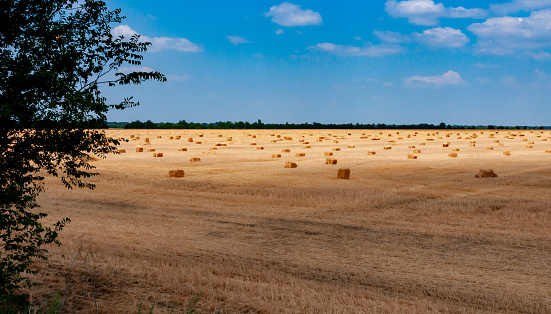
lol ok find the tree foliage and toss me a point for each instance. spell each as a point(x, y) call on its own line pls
point(55, 57)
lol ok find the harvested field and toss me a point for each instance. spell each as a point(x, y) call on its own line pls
point(247, 235)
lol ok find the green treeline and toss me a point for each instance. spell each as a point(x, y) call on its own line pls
point(260, 125)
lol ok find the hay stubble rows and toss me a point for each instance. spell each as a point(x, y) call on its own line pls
point(402, 234)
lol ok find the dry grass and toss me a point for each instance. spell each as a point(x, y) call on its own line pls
point(248, 235)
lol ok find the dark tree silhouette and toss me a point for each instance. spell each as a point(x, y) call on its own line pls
point(54, 57)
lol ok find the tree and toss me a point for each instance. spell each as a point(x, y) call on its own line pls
point(55, 56)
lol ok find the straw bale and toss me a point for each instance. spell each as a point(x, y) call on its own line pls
point(411, 146)
point(446, 144)
point(158, 136)
point(544, 140)
point(172, 137)
point(328, 154)
point(254, 136)
point(300, 154)
point(529, 146)
point(306, 142)
point(253, 144)
point(417, 151)
point(220, 144)
point(409, 136)
point(288, 138)
point(485, 174)
point(330, 161)
point(455, 150)
point(151, 149)
point(363, 137)
point(131, 135)
point(260, 147)
point(213, 148)
point(412, 156)
point(351, 146)
point(121, 151)
point(200, 135)
point(343, 173)
point(387, 147)
point(285, 150)
point(137, 137)
point(548, 151)
point(531, 143)
point(229, 139)
point(194, 159)
point(178, 137)
point(198, 142)
point(139, 149)
point(308, 146)
point(190, 139)
point(147, 139)
point(489, 148)
point(336, 149)
point(371, 153)
point(157, 154)
point(289, 164)
point(375, 139)
point(276, 155)
point(183, 149)
point(273, 141)
point(278, 136)
point(422, 144)
point(176, 173)
point(430, 139)
point(452, 155)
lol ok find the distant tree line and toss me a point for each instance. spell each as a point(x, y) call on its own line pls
point(183, 124)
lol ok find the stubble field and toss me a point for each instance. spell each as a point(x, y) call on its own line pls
point(241, 233)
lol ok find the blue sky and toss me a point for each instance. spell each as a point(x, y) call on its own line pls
point(415, 61)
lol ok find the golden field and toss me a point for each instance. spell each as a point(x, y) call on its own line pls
point(244, 234)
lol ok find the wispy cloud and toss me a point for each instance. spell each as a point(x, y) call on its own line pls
point(428, 13)
point(442, 37)
point(352, 51)
point(520, 5)
point(435, 37)
point(288, 14)
point(448, 78)
point(279, 31)
point(127, 70)
point(158, 43)
point(236, 40)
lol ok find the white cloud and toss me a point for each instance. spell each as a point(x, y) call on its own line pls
point(388, 84)
point(352, 51)
point(448, 78)
point(486, 66)
point(540, 56)
point(127, 70)
point(520, 5)
point(483, 80)
point(157, 43)
point(505, 35)
point(172, 77)
point(391, 37)
point(279, 31)
point(288, 14)
point(427, 13)
point(358, 38)
point(509, 80)
point(236, 40)
point(434, 37)
point(442, 37)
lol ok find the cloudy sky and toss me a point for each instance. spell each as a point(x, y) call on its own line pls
point(413, 61)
